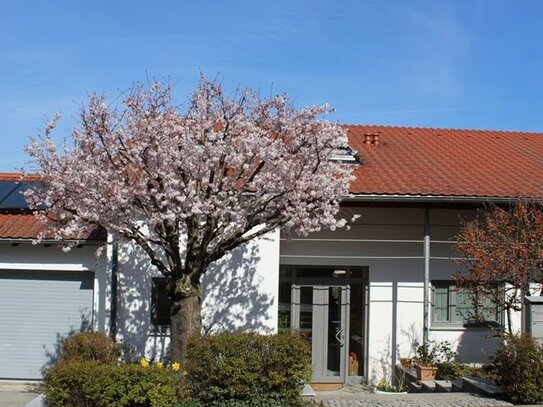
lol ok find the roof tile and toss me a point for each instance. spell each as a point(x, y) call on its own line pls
point(27, 226)
point(446, 162)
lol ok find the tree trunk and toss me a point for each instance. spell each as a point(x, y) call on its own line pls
point(185, 313)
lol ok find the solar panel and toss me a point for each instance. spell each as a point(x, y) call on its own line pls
point(11, 194)
point(5, 188)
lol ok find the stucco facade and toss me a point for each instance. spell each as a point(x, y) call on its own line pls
point(242, 290)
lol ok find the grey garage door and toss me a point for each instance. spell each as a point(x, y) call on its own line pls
point(37, 308)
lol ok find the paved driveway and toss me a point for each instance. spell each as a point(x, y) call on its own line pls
point(411, 400)
point(363, 396)
point(17, 394)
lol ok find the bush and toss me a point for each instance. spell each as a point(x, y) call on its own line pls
point(452, 371)
point(434, 353)
point(91, 384)
point(89, 346)
point(518, 364)
point(255, 401)
point(241, 367)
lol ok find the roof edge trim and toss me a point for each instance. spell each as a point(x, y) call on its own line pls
point(53, 241)
point(430, 198)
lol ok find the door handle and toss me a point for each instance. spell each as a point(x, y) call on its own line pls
point(338, 337)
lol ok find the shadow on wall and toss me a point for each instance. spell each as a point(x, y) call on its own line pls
point(134, 302)
point(413, 336)
point(383, 370)
point(477, 345)
point(233, 298)
point(54, 354)
point(233, 294)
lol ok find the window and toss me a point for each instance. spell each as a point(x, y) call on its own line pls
point(344, 154)
point(452, 306)
point(160, 304)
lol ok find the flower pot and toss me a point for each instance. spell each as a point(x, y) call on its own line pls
point(426, 372)
point(376, 391)
point(405, 362)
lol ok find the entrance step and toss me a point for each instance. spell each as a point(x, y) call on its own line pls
point(308, 391)
point(326, 386)
point(410, 374)
point(428, 386)
point(414, 387)
point(443, 386)
point(481, 386)
point(457, 386)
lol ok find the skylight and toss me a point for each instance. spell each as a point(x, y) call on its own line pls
point(345, 155)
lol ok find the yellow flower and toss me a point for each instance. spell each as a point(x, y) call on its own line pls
point(144, 362)
point(159, 364)
point(185, 373)
point(176, 366)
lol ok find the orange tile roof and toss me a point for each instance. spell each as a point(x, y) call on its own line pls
point(445, 162)
point(406, 161)
point(19, 226)
point(27, 226)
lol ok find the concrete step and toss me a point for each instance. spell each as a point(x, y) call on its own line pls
point(409, 374)
point(443, 386)
point(482, 386)
point(457, 386)
point(414, 387)
point(428, 386)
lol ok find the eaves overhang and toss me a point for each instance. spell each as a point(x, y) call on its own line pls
point(431, 198)
point(53, 241)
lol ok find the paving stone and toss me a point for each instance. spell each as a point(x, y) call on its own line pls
point(17, 394)
point(411, 400)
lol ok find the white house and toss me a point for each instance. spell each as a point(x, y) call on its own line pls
point(370, 293)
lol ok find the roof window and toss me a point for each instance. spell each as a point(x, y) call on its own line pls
point(344, 154)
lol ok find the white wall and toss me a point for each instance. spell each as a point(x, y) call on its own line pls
point(390, 242)
point(239, 292)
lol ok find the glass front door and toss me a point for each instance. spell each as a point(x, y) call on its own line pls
point(320, 314)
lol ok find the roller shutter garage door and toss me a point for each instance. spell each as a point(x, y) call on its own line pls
point(37, 308)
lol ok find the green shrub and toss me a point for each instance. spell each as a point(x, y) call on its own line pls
point(91, 384)
point(434, 353)
point(89, 346)
point(255, 401)
point(453, 370)
point(241, 367)
point(518, 363)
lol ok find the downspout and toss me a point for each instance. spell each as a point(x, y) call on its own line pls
point(113, 304)
point(426, 249)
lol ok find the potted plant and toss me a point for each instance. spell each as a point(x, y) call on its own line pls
point(405, 362)
point(386, 387)
point(425, 362)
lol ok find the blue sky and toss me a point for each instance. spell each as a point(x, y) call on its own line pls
point(435, 63)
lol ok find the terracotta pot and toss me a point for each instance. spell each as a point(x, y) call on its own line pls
point(405, 362)
point(426, 372)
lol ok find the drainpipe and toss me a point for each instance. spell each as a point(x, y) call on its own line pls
point(426, 276)
point(113, 304)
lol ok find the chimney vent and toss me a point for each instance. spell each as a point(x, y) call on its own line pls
point(372, 139)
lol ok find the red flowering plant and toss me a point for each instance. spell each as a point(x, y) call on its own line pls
point(502, 252)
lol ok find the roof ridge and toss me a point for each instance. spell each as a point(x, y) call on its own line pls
point(384, 126)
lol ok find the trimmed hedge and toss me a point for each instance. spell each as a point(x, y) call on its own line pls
point(518, 363)
point(90, 346)
point(92, 384)
point(235, 368)
point(256, 401)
